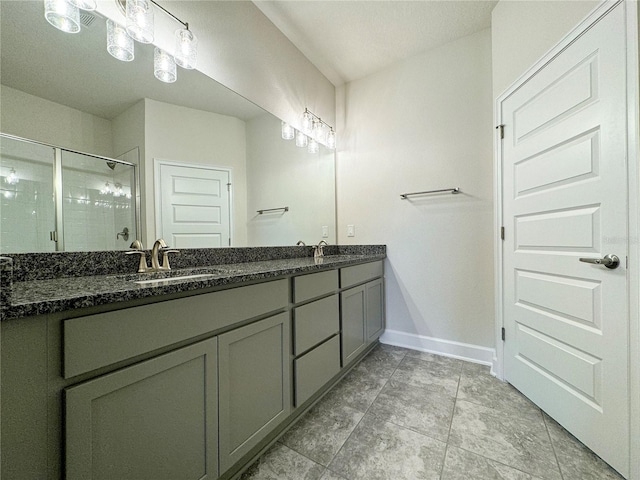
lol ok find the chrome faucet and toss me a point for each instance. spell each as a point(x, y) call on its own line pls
point(318, 251)
point(161, 246)
point(300, 242)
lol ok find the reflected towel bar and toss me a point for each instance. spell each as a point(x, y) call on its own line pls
point(284, 209)
point(451, 190)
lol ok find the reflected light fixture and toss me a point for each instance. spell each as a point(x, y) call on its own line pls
point(301, 139)
point(288, 132)
point(88, 5)
point(12, 178)
point(106, 190)
point(331, 139)
point(63, 15)
point(164, 66)
point(139, 15)
point(313, 146)
point(119, 44)
point(186, 50)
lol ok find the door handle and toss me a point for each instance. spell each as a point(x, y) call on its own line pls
point(609, 261)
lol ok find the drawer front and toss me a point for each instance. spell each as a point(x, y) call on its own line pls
point(306, 287)
point(360, 273)
point(315, 322)
point(316, 368)
point(99, 340)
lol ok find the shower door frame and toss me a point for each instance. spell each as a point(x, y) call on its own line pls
point(57, 235)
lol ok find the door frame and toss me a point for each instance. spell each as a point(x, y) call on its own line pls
point(633, 174)
point(157, 163)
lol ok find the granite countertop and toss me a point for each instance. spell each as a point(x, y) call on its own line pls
point(39, 297)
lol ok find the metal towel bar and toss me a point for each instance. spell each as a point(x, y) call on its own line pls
point(284, 209)
point(451, 190)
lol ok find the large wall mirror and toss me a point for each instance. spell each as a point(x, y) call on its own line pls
point(188, 141)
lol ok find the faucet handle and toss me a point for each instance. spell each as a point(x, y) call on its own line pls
point(165, 257)
point(142, 265)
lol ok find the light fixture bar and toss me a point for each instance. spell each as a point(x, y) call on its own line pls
point(186, 25)
point(315, 117)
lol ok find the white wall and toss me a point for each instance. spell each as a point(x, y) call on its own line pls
point(194, 136)
point(280, 174)
point(522, 32)
point(35, 118)
point(425, 123)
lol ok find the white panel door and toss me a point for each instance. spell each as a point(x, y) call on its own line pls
point(193, 206)
point(565, 198)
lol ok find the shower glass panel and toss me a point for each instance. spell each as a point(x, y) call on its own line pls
point(53, 199)
point(27, 208)
point(98, 203)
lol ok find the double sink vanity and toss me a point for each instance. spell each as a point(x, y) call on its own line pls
point(192, 373)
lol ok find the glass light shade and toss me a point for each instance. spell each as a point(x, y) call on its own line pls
point(186, 53)
point(119, 44)
point(307, 122)
point(318, 131)
point(12, 178)
point(106, 190)
point(164, 66)
point(331, 140)
point(301, 139)
point(88, 5)
point(62, 15)
point(314, 147)
point(140, 20)
point(288, 132)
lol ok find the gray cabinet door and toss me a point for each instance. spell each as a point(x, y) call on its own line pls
point(255, 396)
point(353, 308)
point(154, 420)
point(375, 309)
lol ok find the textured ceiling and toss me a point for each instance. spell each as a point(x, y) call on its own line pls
point(350, 39)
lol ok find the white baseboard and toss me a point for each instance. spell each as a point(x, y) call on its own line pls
point(439, 346)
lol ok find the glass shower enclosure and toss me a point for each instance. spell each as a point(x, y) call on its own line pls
point(56, 199)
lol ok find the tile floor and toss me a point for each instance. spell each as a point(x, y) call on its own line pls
point(402, 414)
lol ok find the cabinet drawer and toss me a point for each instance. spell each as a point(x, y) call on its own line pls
point(315, 322)
point(99, 340)
point(360, 273)
point(306, 287)
point(316, 368)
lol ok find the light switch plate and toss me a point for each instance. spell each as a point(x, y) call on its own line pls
point(351, 231)
point(325, 231)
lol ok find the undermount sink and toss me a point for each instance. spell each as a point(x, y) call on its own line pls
point(166, 280)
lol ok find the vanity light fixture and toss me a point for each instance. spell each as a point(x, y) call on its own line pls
point(331, 139)
point(314, 132)
point(63, 15)
point(288, 132)
point(313, 146)
point(88, 5)
point(12, 178)
point(164, 66)
point(186, 51)
point(301, 139)
point(106, 190)
point(139, 15)
point(119, 44)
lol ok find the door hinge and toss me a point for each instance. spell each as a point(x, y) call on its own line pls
point(228, 187)
point(500, 129)
point(229, 241)
point(503, 334)
point(502, 233)
point(53, 236)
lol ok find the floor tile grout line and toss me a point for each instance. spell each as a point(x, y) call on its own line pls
point(553, 447)
point(360, 421)
point(453, 412)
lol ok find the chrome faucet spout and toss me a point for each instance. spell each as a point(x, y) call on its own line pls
point(318, 250)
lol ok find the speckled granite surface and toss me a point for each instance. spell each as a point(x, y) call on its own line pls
point(47, 294)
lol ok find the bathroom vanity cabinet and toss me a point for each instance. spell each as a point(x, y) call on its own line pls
point(194, 386)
